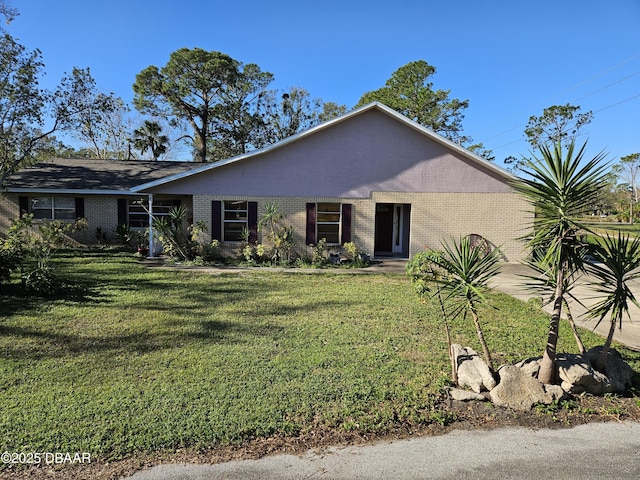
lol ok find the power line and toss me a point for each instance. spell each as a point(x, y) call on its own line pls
point(607, 86)
point(618, 103)
point(615, 67)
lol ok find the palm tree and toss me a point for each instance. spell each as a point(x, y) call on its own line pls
point(545, 284)
point(618, 260)
point(148, 137)
point(560, 188)
point(424, 275)
point(467, 271)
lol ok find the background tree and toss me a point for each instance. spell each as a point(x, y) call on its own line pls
point(102, 126)
point(560, 189)
point(558, 123)
point(628, 172)
point(211, 91)
point(410, 92)
point(331, 110)
point(236, 121)
point(29, 114)
point(286, 113)
point(149, 138)
point(8, 12)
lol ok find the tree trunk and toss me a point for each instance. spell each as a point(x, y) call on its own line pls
point(547, 372)
point(452, 358)
point(607, 343)
point(485, 349)
point(581, 348)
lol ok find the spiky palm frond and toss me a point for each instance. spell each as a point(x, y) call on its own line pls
point(618, 260)
point(561, 188)
point(544, 283)
point(467, 271)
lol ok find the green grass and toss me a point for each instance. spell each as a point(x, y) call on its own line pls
point(133, 359)
point(613, 228)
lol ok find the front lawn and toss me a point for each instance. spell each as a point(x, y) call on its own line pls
point(135, 359)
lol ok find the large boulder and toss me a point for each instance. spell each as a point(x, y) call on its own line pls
point(578, 376)
point(473, 372)
point(520, 391)
point(619, 373)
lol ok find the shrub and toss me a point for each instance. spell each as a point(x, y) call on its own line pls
point(318, 257)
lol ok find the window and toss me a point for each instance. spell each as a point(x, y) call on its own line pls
point(53, 208)
point(229, 218)
point(235, 219)
point(138, 212)
point(328, 222)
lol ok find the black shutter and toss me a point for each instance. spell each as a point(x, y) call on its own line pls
point(123, 211)
point(216, 220)
point(79, 207)
point(346, 223)
point(311, 224)
point(23, 203)
point(252, 218)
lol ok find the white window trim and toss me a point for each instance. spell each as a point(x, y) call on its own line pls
point(339, 222)
point(245, 222)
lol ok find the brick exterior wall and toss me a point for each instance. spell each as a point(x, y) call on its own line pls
point(499, 217)
point(100, 211)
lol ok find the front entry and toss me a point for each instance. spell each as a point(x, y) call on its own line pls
point(392, 229)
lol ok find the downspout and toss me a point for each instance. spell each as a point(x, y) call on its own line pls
point(151, 240)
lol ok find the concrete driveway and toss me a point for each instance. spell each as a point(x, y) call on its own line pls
point(511, 281)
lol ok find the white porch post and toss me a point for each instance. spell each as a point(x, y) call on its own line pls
point(151, 240)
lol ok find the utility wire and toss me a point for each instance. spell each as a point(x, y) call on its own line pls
point(615, 67)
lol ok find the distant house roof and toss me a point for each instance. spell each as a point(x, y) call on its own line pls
point(82, 175)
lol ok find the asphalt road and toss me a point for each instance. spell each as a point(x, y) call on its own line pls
point(594, 451)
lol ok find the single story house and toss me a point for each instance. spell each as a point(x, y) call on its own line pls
point(98, 190)
point(371, 176)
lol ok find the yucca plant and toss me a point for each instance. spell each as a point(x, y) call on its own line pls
point(617, 263)
point(466, 273)
point(560, 186)
point(544, 283)
point(424, 274)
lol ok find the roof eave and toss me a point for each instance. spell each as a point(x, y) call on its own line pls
point(67, 191)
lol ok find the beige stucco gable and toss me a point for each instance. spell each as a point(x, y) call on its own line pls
point(368, 152)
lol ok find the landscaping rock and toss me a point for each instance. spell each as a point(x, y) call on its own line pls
point(619, 373)
point(473, 372)
point(520, 391)
point(531, 366)
point(578, 375)
point(466, 395)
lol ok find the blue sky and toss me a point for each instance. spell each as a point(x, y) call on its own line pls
point(510, 59)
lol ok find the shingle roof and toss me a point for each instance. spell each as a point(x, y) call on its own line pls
point(93, 174)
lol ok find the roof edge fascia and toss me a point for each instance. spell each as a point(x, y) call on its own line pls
point(67, 191)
